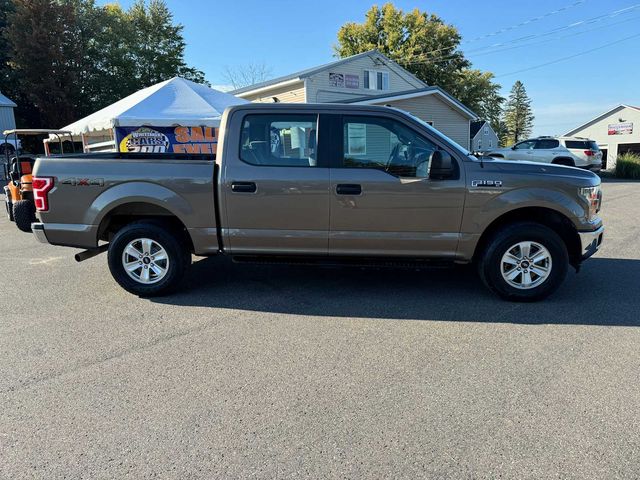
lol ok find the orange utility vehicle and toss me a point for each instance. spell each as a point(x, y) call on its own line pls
point(17, 170)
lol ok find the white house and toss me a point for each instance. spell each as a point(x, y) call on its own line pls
point(483, 137)
point(616, 131)
point(373, 79)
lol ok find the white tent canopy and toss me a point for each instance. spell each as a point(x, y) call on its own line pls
point(165, 104)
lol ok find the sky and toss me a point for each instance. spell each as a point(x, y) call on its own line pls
point(592, 65)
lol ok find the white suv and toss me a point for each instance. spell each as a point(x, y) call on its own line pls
point(570, 151)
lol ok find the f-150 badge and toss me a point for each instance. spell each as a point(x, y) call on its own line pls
point(486, 183)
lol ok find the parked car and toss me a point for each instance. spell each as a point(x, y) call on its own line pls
point(322, 183)
point(569, 151)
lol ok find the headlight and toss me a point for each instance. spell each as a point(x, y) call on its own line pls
point(593, 196)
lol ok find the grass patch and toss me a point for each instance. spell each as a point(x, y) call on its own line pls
point(628, 166)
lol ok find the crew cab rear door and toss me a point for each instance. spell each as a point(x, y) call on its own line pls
point(383, 202)
point(274, 188)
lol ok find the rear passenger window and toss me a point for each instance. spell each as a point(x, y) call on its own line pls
point(279, 140)
point(546, 144)
point(579, 144)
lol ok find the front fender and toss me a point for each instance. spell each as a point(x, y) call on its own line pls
point(487, 206)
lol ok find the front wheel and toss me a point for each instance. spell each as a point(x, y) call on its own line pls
point(524, 262)
point(148, 259)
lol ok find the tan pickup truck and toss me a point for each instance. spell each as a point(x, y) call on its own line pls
point(322, 183)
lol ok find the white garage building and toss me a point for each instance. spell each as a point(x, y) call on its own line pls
point(616, 131)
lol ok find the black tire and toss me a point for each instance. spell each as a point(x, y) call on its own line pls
point(490, 262)
point(8, 206)
point(24, 214)
point(172, 241)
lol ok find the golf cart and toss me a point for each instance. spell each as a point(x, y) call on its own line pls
point(17, 171)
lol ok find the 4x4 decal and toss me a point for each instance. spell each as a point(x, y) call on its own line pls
point(84, 182)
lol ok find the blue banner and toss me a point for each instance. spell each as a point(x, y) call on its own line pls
point(196, 140)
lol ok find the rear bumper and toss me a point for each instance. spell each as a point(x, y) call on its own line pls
point(38, 232)
point(590, 242)
point(594, 167)
point(66, 234)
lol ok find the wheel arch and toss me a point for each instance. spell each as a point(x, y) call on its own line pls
point(138, 211)
point(548, 217)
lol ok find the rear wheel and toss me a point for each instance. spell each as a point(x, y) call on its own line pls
point(24, 214)
point(148, 259)
point(524, 262)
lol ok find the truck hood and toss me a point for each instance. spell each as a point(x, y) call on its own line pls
point(577, 176)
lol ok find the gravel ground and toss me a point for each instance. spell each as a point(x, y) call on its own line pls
point(298, 372)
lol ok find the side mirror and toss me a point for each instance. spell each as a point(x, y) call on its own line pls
point(441, 165)
point(513, 148)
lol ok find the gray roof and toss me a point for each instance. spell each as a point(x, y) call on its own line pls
point(476, 127)
point(5, 102)
point(311, 71)
point(436, 89)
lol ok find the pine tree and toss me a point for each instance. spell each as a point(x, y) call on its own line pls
point(518, 117)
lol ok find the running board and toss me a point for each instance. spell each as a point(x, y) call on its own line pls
point(337, 261)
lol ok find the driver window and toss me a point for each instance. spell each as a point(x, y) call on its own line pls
point(387, 145)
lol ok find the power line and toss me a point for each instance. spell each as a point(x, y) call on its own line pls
point(446, 58)
point(569, 57)
point(510, 28)
point(526, 22)
point(423, 57)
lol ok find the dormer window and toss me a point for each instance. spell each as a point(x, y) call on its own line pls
point(376, 80)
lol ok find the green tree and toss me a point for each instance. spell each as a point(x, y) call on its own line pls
point(39, 57)
point(518, 117)
point(157, 45)
point(477, 91)
point(419, 41)
point(426, 46)
point(68, 58)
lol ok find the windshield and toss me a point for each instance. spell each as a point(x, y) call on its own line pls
point(440, 135)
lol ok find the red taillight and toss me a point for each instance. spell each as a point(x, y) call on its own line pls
point(589, 153)
point(41, 187)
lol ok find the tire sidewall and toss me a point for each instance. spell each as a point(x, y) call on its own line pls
point(506, 238)
point(179, 258)
point(24, 214)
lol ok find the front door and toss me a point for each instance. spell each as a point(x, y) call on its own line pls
point(523, 151)
point(382, 199)
point(275, 191)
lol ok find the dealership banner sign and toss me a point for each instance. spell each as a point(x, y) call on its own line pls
point(194, 140)
point(625, 128)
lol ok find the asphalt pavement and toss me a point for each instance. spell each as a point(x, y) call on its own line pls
point(308, 372)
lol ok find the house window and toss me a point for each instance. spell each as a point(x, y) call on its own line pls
point(479, 144)
point(490, 143)
point(376, 80)
point(356, 138)
point(486, 130)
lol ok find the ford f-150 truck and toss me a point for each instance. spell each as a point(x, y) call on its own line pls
point(322, 183)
